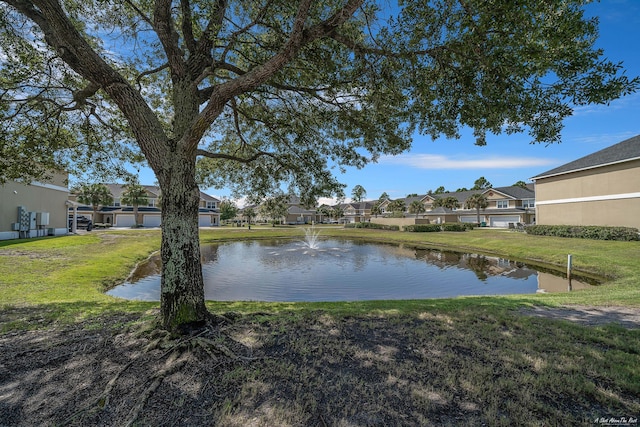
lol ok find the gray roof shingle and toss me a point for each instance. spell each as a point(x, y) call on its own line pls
point(623, 151)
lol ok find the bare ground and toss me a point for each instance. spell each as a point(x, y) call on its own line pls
point(319, 371)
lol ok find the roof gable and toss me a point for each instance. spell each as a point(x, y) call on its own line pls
point(624, 151)
point(513, 192)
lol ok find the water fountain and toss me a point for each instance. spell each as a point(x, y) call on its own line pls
point(311, 237)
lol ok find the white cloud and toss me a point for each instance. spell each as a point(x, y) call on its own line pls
point(435, 161)
point(605, 139)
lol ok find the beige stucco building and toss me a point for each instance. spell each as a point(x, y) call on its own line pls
point(602, 188)
point(44, 208)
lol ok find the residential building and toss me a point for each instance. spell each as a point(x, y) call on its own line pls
point(602, 188)
point(35, 209)
point(299, 214)
point(121, 215)
point(356, 211)
point(507, 207)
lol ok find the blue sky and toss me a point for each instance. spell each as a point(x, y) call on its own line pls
point(507, 159)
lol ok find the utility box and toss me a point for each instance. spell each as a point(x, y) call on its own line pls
point(32, 221)
point(15, 226)
point(42, 218)
point(23, 218)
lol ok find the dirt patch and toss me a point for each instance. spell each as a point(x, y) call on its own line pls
point(315, 369)
point(590, 316)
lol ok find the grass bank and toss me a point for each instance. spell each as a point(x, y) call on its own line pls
point(457, 361)
point(67, 275)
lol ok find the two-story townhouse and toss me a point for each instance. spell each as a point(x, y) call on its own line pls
point(602, 188)
point(121, 215)
point(507, 206)
point(357, 211)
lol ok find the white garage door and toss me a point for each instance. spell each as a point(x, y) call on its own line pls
point(503, 221)
point(473, 219)
point(151, 220)
point(125, 221)
point(204, 220)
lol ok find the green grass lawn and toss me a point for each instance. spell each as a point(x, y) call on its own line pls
point(66, 276)
point(438, 361)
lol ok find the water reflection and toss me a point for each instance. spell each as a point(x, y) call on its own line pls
point(337, 270)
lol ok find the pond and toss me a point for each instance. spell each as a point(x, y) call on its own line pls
point(346, 270)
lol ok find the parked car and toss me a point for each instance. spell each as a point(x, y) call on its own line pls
point(81, 222)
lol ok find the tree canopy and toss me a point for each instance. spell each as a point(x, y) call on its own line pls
point(94, 195)
point(228, 210)
point(251, 95)
point(358, 193)
point(416, 207)
point(481, 184)
point(477, 201)
point(448, 202)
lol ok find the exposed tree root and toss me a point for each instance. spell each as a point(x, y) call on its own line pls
point(210, 339)
point(172, 365)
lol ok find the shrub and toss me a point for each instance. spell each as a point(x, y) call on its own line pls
point(454, 226)
point(372, 225)
point(585, 232)
point(426, 228)
point(422, 228)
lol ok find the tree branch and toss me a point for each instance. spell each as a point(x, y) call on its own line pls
point(141, 14)
point(187, 25)
point(298, 38)
point(358, 48)
point(246, 160)
point(149, 72)
point(163, 25)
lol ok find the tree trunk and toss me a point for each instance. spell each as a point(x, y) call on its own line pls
point(182, 286)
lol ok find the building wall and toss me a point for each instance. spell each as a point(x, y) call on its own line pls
point(50, 196)
point(401, 222)
point(608, 196)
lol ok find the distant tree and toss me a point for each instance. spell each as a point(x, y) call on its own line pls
point(275, 207)
point(412, 195)
point(416, 207)
point(94, 195)
point(358, 193)
point(440, 190)
point(324, 211)
point(477, 201)
point(134, 195)
point(384, 196)
point(228, 210)
point(449, 202)
point(462, 189)
point(397, 207)
point(376, 209)
point(337, 212)
point(249, 213)
point(520, 184)
point(481, 184)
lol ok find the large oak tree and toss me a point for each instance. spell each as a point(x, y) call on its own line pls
point(251, 94)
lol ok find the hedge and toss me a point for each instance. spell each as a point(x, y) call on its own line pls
point(585, 232)
point(372, 225)
point(426, 228)
point(423, 228)
point(454, 226)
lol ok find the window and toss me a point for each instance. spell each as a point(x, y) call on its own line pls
point(211, 205)
point(152, 203)
point(529, 203)
point(502, 204)
point(116, 202)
